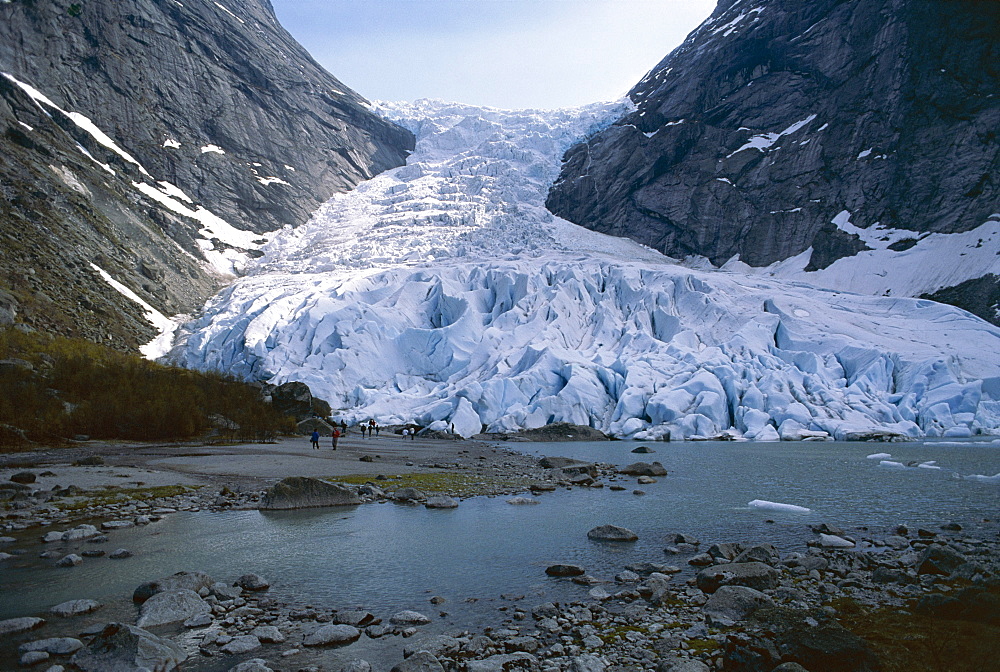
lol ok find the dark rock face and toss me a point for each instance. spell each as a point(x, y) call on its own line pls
point(168, 83)
point(774, 117)
point(299, 492)
point(296, 399)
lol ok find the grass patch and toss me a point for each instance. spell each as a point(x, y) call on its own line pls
point(909, 642)
point(619, 632)
point(117, 495)
point(702, 645)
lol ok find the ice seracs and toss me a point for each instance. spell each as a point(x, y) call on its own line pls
point(443, 292)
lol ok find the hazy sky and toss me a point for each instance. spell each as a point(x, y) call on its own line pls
point(503, 53)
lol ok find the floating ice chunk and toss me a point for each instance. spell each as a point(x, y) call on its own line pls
point(930, 464)
point(833, 541)
point(879, 456)
point(984, 479)
point(777, 506)
point(892, 465)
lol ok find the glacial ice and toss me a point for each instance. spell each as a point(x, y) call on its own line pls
point(777, 506)
point(444, 292)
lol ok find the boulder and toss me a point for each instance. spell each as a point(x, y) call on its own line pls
point(421, 661)
point(268, 634)
point(56, 646)
point(587, 663)
point(332, 635)
point(644, 469)
point(612, 533)
point(71, 560)
point(765, 553)
point(724, 552)
point(409, 618)
point(358, 618)
point(75, 608)
point(120, 554)
point(504, 662)
point(241, 644)
point(12, 626)
point(125, 647)
point(937, 559)
point(564, 570)
point(299, 492)
point(23, 477)
point(408, 495)
point(171, 606)
point(194, 581)
point(730, 604)
point(253, 582)
point(754, 575)
point(441, 502)
point(252, 665)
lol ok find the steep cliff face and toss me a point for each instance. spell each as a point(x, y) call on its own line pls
point(776, 116)
point(155, 139)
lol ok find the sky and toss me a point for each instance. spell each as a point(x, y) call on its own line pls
point(502, 53)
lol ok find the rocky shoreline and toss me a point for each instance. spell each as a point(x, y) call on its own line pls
point(698, 606)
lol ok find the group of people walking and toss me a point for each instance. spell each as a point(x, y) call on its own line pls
point(340, 429)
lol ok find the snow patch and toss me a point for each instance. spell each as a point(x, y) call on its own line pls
point(764, 141)
point(212, 149)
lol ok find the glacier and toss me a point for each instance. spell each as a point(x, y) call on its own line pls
point(444, 293)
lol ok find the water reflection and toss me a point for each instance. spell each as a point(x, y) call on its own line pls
point(386, 557)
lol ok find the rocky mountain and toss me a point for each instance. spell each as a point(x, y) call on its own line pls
point(150, 143)
point(851, 145)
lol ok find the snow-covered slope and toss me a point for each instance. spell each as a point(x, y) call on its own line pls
point(444, 292)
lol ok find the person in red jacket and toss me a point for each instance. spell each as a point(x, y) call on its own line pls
point(336, 437)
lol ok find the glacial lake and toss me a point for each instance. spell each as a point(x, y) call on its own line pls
point(487, 554)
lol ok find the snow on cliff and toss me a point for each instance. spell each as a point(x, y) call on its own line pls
point(443, 293)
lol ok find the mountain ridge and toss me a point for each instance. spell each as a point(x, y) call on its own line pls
point(774, 117)
point(156, 141)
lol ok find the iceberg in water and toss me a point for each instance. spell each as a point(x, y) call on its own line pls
point(777, 506)
point(444, 292)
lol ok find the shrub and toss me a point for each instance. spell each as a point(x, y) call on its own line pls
point(78, 387)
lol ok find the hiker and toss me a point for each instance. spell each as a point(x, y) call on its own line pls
point(336, 437)
point(376, 431)
point(314, 439)
point(413, 434)
point(406, 432)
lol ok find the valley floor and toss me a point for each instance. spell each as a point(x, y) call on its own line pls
point(653, 615)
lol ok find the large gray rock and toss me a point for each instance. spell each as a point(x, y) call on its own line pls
point(12, 626)
point(421, 661)
point(299, 492)
point(75, 608)
point(504, 662)
point(937, 559)
point(56, 646)
point(240, 644)
point(730, 604)
point(332, 635)
point(409, 617)
point(126, 648)
point(644, 469)
point(171, 606)
point(252, 665)
point(194, 581)
point(612, 533)
point(754, 575)
point(750, 138)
